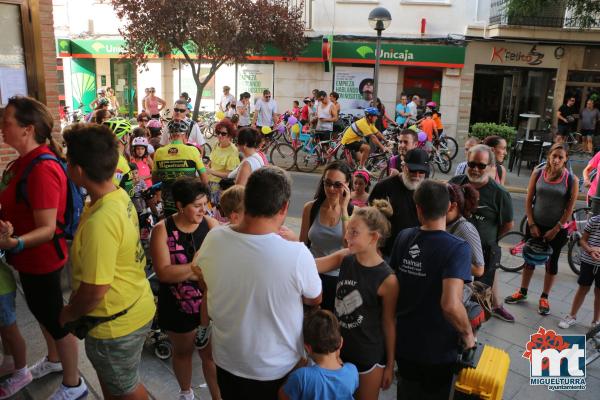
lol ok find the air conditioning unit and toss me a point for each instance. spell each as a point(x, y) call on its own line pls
point(591, 58)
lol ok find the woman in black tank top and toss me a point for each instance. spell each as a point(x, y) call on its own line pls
point(174, 242)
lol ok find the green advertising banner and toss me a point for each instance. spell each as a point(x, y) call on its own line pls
point(400, 54)
point(83, 81)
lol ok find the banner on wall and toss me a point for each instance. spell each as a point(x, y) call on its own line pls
point(355, 87)
point(254, 79)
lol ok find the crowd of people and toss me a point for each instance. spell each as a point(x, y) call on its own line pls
point(329, 313)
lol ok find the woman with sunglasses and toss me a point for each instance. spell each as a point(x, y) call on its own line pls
point(224, 158)
point(324, 221)
point(153, 104)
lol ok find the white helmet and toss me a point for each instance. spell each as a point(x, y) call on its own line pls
point(139, 141)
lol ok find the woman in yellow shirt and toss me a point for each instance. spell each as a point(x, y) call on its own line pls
point(224, 158)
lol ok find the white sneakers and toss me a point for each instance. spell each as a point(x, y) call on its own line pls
point(44, 367)
point(14, 383)
point(187, 395)
point(567, 322)
point(70, 393)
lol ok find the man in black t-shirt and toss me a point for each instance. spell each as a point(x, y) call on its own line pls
point(566, 117)
point(399, 190)
point(431, 266)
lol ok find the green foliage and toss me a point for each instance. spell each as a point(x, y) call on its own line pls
point(482, 130)
point(585, 13)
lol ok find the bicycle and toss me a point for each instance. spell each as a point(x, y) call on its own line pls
point(282, 154)
point(592, 345)
point(448, 145)
point(573, 142)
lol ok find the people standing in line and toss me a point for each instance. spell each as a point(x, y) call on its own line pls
point(551, 196)
point(329, 378)
point(498, 146)
point(243, 110)
point(365, 299)
point(361, 183)
point(431, 266)
point(461, 167)
point(263, 280)
point(324, 222)
point(153, 104)
point(224, 158)
point(226, 99)
point(109, 282)
point(248, 141)
point(399, 191)
point(174, 242)
point(402, 112)
point(192, 135)
point(413, 109)
point(407, 140)
point(36, 247)
point(493, 217)
point(589, 120)
point(265, 112)
point(590, 274)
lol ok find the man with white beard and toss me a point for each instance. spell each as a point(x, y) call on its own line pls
point(399, 191)
point(493, 217)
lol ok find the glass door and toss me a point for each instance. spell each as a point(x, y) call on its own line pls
point(124, 83)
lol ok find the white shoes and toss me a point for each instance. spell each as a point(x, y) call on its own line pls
point(187, 395)
point(44, 367)
point(71, 393)
point(567, 322)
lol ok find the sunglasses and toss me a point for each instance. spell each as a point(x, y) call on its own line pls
point(337, 184)
point(180, 110)
point(473, 164)
point(223, 133)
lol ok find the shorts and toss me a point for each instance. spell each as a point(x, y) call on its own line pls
point(8, 311)
point(365, 368)
point(587, 132)
point(588, 275)
point(355, 146)
point(235, 387)
point(322, 135)
point(44, 297)
point(117, 361)
point(563, 130)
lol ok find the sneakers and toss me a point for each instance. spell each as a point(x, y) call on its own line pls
point(567, 322)
point(44, 367)
point(544, 306)
point(202, 336)
point(516, 297)
point(503, 314)
point(8, 366)
point(70, 393)
point(187, 395)
point(16, 382)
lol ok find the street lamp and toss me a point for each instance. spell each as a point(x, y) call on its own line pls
point(379, 19)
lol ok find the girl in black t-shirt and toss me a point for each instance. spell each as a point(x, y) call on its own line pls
point(366, 296)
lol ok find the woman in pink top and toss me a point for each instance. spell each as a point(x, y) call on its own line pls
point(591, 182)
point(153, 104)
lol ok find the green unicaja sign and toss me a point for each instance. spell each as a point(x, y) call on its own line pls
point(400, 53)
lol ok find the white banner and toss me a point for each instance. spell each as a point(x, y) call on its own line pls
point(355, 87)
point(254, 78)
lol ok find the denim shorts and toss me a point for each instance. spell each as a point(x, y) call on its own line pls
point(117, 361)
point(8, 315)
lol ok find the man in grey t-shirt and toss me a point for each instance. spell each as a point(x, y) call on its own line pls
point(588, 118)
point(265, 111)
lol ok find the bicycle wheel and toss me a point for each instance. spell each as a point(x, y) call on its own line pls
point(306, 160)
point(450, 145)
point(511, 251)
point(209, 130)
point(376, 166)
point(206, 150)
point(287, 135)
point(523, 224)
point(444, 163)
point(592, 345)
point(283, 155)
point(574, 254)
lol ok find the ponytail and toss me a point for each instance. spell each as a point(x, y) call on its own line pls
point(466, 197)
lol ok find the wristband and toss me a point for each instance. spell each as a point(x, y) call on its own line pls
point(345, 218)
point(19, 247)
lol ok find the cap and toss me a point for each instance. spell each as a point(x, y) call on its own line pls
point(417, 160)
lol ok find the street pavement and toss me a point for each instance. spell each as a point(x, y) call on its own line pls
point(160, 381)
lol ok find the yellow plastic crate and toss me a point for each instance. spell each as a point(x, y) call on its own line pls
point(487, 380)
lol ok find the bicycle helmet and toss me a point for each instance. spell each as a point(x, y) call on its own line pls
point(103, 101)
point(119, 126)
point(536, 252)
point(371, 111)
point(139, 141)
point(431, 104)
point(154, 123)
point(178, 126)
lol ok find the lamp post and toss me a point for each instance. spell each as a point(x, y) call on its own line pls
point(379, 19)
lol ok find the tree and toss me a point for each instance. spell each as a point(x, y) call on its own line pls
point(585, 12)
point(213, 32)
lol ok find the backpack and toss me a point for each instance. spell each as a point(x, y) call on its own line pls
point(75, 200)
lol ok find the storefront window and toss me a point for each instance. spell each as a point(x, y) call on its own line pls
point(424, 82)
point(123, 75)
point(13, 76)
point(583, 76)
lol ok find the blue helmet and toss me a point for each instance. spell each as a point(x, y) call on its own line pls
point(536, 252)
point(372, 111)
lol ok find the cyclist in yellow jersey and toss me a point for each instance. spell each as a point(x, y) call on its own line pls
point(355, 137)
point(174, 160)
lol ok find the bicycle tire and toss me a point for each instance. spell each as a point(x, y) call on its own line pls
point(444, 163)
point(209, 130)
point(306, 161)
point(206, 150)
point(287, 135)
point(523, 224)
point(511, 259)
point(376, 166)
point(451, 146)
point(574, 255)
point(283, 155)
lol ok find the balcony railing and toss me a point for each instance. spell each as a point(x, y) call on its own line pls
point(552, 17)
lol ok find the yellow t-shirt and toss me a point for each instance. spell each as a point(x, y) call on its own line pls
point(363, 126)
point(223, 159)
point(122, 176)
point(107, 250)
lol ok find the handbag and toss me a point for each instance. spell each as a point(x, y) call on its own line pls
point(482, 294)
